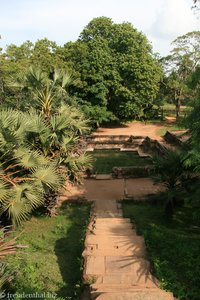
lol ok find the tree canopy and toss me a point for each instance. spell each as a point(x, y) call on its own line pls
point(179, 67)
point(117, 68)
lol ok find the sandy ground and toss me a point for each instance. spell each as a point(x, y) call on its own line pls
point(133, 128)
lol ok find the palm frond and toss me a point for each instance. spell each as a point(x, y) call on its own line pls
point(79, 163)
point(4, 192)
point(30, 159)
point(47, 177)
point(60, 123)
point(68, 143)
point(76, 119)
point(21, 201)
point(168, 168)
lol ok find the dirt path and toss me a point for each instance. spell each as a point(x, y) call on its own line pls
point(134, 128)
point(116, 264)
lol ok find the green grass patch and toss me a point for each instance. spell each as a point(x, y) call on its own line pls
point(169, 106)
point(105, 160)
point(52, 262)
point(168, 127)
point(170, 110)
point(173, 247)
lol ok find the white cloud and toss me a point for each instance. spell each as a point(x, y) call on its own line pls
point(175, 18)
point(61, 20)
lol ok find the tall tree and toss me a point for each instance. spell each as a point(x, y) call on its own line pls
point(44, 54)
point(180, 64)
point(117, 68)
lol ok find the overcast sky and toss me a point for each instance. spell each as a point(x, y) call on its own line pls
point(63, 20)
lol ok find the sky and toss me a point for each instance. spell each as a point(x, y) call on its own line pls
point(63, 20)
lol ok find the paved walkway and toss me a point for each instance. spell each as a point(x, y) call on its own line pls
point(116, 263)
point(112, 189)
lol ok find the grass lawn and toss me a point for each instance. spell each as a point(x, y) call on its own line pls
point(170, 110)
point(52, 262)
point(168, 127)
point(173, 247)
point(105, 160)
point(169, 106)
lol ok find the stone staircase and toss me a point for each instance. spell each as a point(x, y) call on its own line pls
point(116, 262)
point(122, 142)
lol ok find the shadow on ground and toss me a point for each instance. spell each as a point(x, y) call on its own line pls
point(69, 252)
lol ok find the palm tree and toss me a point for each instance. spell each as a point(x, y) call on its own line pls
point(25, 174)
point(45, 91)
point(36, 155)
point(59, 138)
point(39, 147)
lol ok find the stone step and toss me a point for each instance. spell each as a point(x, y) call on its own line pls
point(123, 248)
point(112, 220)
point(137, 252)
point(108, 214)
point(150, 294)
point(108, 241)
point(116, 288)
point(114, 231)
point(137, 267)
point(103, 176)
point(112, 225)
point(118, 280)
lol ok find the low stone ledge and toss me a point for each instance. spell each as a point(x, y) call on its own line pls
point(173, 139)
point(132, 171)
point(152, 147)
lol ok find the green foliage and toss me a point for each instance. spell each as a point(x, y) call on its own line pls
point(173, 247)
point(52, 261)
point(96, 114)
point(169, 127)
point(25, 174)
point(168, 168)
point(192, 121)
point(7, 246)
point(33, 152)
point(194, 80)
point(42, 92)
point(117, 68)
point(179, 67)
point(171, 170)
point(44, 54)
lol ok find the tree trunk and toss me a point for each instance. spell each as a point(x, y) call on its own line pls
point(169, 206)
point(51, 203)
point(169, 209)
point(177, 104)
